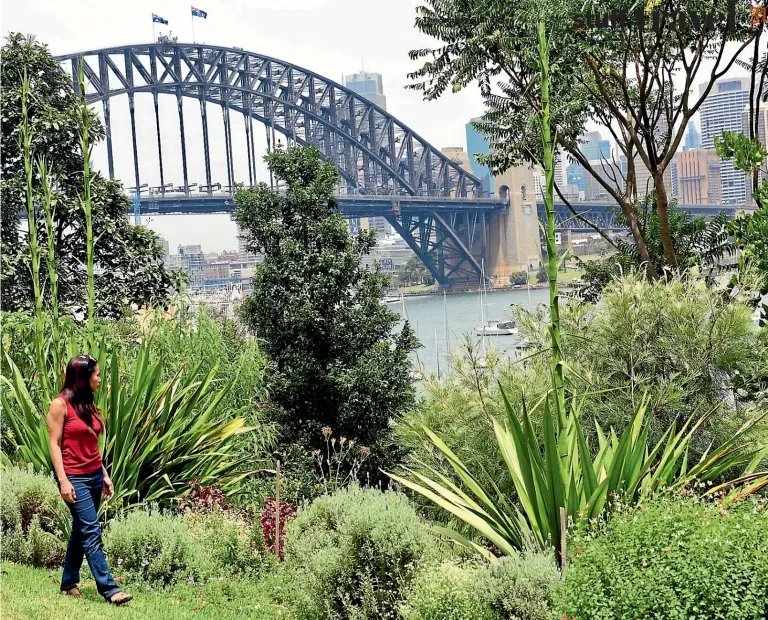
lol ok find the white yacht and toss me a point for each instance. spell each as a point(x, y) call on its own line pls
point(497, 328)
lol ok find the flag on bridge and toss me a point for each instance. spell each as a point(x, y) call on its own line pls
point(199, 13)
point(156, 19)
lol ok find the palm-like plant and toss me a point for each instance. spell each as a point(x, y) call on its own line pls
point(560, 472)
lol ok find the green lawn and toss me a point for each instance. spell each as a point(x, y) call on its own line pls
point(29, 593)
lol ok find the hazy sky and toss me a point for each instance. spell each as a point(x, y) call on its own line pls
point(330, 37)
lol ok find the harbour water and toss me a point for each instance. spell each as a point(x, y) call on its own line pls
point(427, 315)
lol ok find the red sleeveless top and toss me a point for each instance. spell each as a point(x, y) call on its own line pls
point(80, 446)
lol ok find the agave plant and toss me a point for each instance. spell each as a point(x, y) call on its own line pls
point(160, 435)
point(560, 473)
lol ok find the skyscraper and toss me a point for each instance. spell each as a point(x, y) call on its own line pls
point(722, 111)
point(594, 147)
point(692, 138)
point(369, 85)
point(477, 144)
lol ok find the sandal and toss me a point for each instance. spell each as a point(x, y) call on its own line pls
point(119, 598)
point(73, 591)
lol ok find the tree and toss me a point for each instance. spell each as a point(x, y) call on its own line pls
point(518, 277)
point(414, 272)
point(335, 361)
point(699, 243)
point(126, 258)
point(541, 276)
point(620, 76)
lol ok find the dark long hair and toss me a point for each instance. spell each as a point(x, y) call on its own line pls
point(77, 389)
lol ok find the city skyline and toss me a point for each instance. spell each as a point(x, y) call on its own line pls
point(323, 37)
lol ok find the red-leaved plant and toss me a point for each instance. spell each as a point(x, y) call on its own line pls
point(269, 523)
point(210, 498)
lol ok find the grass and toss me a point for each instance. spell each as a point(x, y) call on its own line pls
point(33, 594)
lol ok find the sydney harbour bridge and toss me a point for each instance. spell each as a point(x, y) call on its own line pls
point(386, 168)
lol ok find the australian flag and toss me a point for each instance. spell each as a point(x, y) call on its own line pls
point(199, 13)
point(159, 20)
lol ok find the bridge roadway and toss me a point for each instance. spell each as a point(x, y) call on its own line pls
point(601, 213)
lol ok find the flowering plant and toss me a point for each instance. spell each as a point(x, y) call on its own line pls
point(341, 462)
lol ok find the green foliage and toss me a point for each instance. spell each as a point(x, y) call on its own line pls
point(699, 243)
point(518, 277)
point(32, 515)
point(126, 258)
point(447, 592)
point(522, 586)
point(414, 272)
point(160, 435)
point(562, 473)
point(335, 360)
point(672, 559)
point(159, 549)
point(682, 343)
point(541, 276)
point(354, 554)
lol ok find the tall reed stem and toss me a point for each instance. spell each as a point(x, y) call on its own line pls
point(53, 278)
point(85, 124)
point(554, 309)
point(34, 249)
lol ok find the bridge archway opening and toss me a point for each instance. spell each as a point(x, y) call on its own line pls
point(504, 193)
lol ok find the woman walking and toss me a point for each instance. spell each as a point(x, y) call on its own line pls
point(74, 425)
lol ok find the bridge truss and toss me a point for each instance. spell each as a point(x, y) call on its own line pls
point(374, 153)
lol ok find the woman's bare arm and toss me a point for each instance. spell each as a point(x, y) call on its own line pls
point(56, 414)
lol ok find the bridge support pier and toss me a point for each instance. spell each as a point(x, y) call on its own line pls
point(513, 236)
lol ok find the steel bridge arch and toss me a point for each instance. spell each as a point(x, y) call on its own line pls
point(373, 151)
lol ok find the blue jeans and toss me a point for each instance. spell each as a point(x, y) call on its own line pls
point(86, 536)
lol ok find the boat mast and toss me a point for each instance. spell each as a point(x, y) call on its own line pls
point(482, 310)
point(445, 320)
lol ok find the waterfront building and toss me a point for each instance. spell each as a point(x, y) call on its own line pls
point(692, 138)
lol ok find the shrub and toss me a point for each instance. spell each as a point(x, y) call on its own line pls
point(354, 553)
point(672, 559)
point(224, 546)
point(33, 518)
point(447, 591)
point(150, 547)
point(522, 586)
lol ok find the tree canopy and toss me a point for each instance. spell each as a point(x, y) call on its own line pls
point(127, 258)
point(619, 74)
point(335, 359)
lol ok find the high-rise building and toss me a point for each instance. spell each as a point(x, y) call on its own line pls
point(369, 85)
point(611, 174)
point(762, 130)
point(598, 153)
point(594, 147)
point(477, 144)
point(192, 261)
point(692, 138)
point(698, 177)
point(721, 111)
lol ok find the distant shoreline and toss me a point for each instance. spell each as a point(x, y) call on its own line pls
point(490, 291)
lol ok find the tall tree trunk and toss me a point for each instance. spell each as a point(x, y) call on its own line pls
point(662, 211)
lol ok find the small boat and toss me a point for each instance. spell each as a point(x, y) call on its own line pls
point(390, 300)
point(497, 328)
